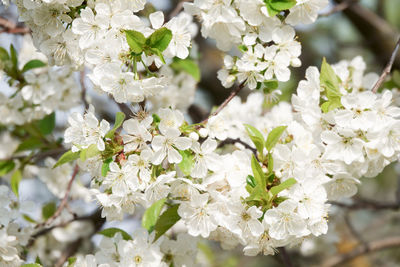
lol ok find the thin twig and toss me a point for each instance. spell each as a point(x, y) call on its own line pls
point(285, 257)
point(230, 141)
point(339, 7)
point(226, 102)
point(387, 69)
point(373, 246)
point(368, 204)
point(178, 8)
point(353, 230)
point(83, 88)
point(63, 201)
point(11, 27)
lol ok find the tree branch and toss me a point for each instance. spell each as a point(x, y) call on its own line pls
point(225, 103)
point(372, 246)
point(368, 204)
point(339, 7)
point(83, 88)
point(178, 8)
point(63, 201)
point(387, 69)
point(11, 27)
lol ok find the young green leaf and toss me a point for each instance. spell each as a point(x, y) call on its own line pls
point(256, 137)
point(167, 219)
point(31, 265)
point(15, 179)
point(106, 167)
point(71, 261)
point(89, 152)
point(281, 4)
point(284, 185)
point(330, 82)
point(4, 54)
point(258, 173)
point(47, 124)
point(33, 64)
point(30, 143)
point(67, 157)
point(48, 210)
point(186, 165)
point(251, 181)
point(273, 137)
point(160, 39)
point(270, 163)
point(136, 40)
point(119, 119)
point(187, 65)
point(28, 218)
point(6, 166)
point(151, 215)
point(14, 57)
point(111, 232)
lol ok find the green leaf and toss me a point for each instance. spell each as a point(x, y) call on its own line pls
point(15, 179)
point(111, 232)
point(271, 84)
point(186, 165)
point(4, 54)
point(160, 39)
point(136, 40)
point(155, 51)
point(106, 167)
point(71, 261)
point(31, 265)
point(273, 137)
point(187, 65)
point(119, 119)
point(396, 77)
point(330, 82)
point(255, 136)
point(258, 173)
point(6, 166)
point(33, 64)
point(14, 57)
point(89, 152)
point(37, 260)
point(281, 4)
point(47, 124)
point(166, 220)
point(67, 157)
point(251, 181)
point(150, 216)
point(330, 105)
point(48, 210)
point(30, 143)
point(284, 185)
point(270, 163)
point(29, 218)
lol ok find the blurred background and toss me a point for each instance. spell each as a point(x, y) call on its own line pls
point(345, 29)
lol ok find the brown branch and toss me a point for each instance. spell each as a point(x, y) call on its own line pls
point(368, 204)
point(10, 27)
point(285, 257)
point(178, 8)
point(387, 69)
point(63, 201)
point(230, 141)
point(226, 102)
point(339, 7)
point(373, 246)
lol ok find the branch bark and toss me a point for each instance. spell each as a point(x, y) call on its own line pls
point(387, 69)
point(11, 27)
point(373, 246)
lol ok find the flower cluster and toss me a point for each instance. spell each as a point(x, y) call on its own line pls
point(33, 90)
point(124, 51)
point(264, 36)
